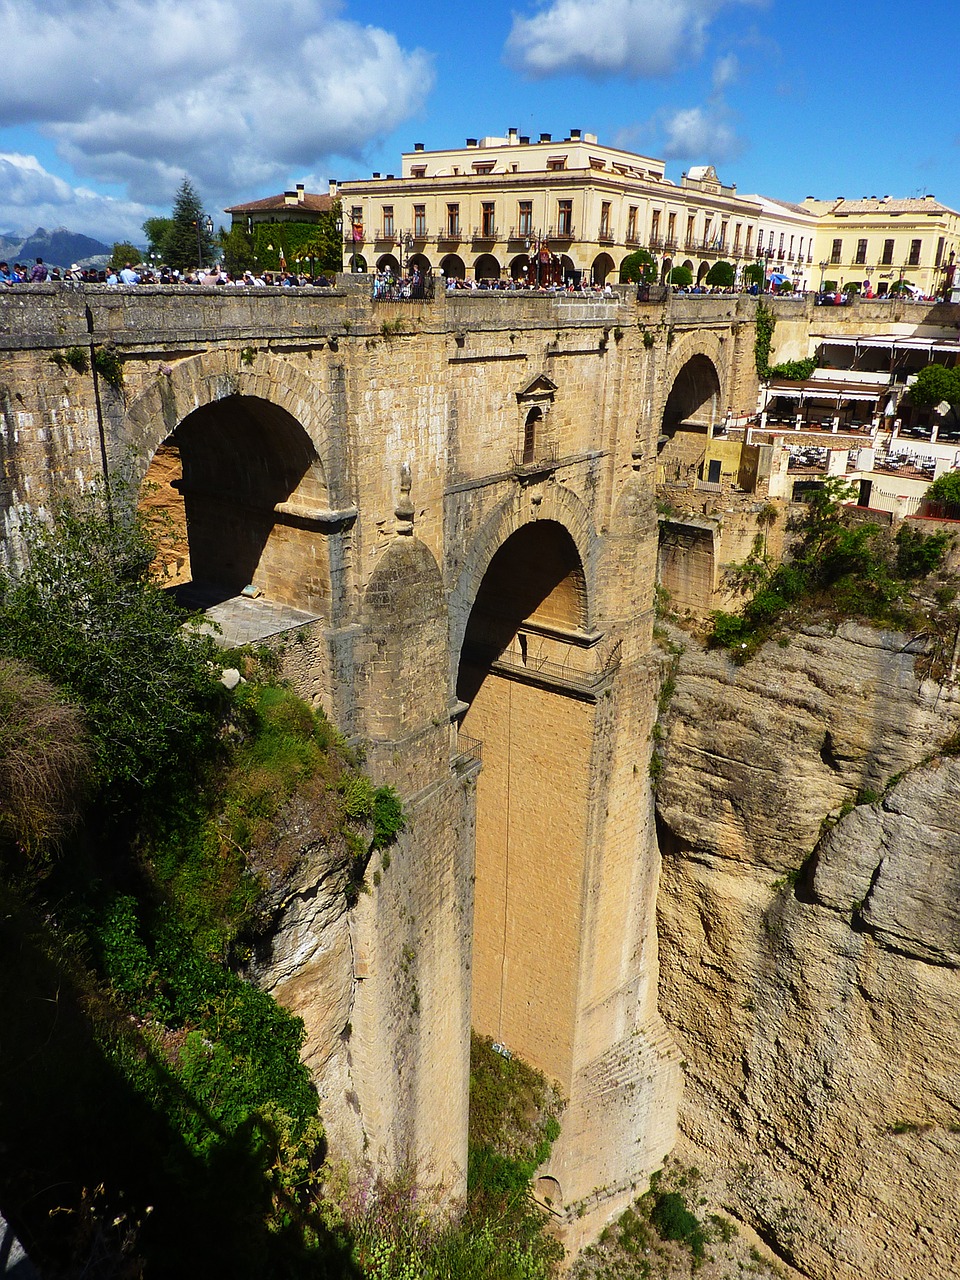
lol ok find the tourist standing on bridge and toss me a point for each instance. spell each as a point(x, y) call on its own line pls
point(128, 275)
point(39, 273)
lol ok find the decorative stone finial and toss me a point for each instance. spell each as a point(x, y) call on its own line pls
point(404, 508)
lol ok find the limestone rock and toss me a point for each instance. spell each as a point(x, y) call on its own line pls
point(230, 678)
point(812, 996)
point(898, 863)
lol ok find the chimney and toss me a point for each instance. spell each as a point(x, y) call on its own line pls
point(418, 146)
point(332, 185)
point(471, 142)
point(376, 175)
point(300, 193)
point(574, 135)
point(524, 140)
point(544, 137)
point(290, 197)
point(512, 136)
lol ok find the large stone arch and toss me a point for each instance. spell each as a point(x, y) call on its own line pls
point(182, 388)
point(549, 502)
point(252, 500)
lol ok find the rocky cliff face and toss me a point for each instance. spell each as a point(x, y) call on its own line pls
point(809, 974)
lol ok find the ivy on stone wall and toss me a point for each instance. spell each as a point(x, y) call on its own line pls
point(792, 370)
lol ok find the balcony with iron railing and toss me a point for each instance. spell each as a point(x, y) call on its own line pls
point(452, 235)
point(542, 456)
point(605, 236)
point(565, 231)
point(486, 233)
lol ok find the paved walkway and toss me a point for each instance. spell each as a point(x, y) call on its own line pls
point(241, 620)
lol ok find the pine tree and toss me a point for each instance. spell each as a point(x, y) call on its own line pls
point(188, 229)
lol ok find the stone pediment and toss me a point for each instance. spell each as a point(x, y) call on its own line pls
point(539, 388)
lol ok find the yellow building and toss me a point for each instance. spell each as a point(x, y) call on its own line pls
point(541, 210)
point(888, 241)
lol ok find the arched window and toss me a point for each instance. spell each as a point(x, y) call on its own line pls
point(530, 426)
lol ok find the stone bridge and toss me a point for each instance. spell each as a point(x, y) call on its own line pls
point(448, 511)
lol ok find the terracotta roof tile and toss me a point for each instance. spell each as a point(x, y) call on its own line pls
point(314, 203)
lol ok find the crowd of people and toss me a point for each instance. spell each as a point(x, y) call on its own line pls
point(130, 275)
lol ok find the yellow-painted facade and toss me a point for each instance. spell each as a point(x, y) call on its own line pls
point(539, 210)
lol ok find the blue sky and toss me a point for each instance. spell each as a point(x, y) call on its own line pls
point(110, 102)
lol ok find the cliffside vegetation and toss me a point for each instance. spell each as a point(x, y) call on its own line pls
point(670, 1233)
point(792, 370)
point(156, 1118)
point(840, 567)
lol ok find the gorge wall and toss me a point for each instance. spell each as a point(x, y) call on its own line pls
point(809, 971)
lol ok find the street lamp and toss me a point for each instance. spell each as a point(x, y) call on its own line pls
point(407, 244)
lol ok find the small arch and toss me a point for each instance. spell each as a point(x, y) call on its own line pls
point(548, 1191)
point(689, 266)
point(602, 267)
point(453, 267)
point(531, 429)
point(702, 272)
point(520, 267)
point(358, 263)
point(694, 396)
point(387, 262)
point(419, 262)
point(665, 268)
point(486, 267)
point(567, 270)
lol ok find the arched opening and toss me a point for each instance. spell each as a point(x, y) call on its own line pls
point(689, 415)
point(486, 267)
point(388, 263)
point(419, 262)
point(689, 266)
point(358, 263)
point(239, 483)
point(666, 266)
point(568, 271)
point(602, 267)
point(524, 642)
point(520, 267)
point(530, 429)
point(702, 271)
point(453, 267)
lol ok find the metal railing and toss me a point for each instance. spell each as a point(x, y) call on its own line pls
point(469, 748)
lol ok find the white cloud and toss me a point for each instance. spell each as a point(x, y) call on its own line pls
point(726, 71)
point(31, 197)
point(236, 94)
point(612, 37)
point(693, 134)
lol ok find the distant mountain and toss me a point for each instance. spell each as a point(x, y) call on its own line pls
point(58, 248)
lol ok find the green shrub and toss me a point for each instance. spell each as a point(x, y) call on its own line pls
point(674, 1221)
point(85, 613)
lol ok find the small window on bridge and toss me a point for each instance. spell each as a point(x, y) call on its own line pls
point(534, 419)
